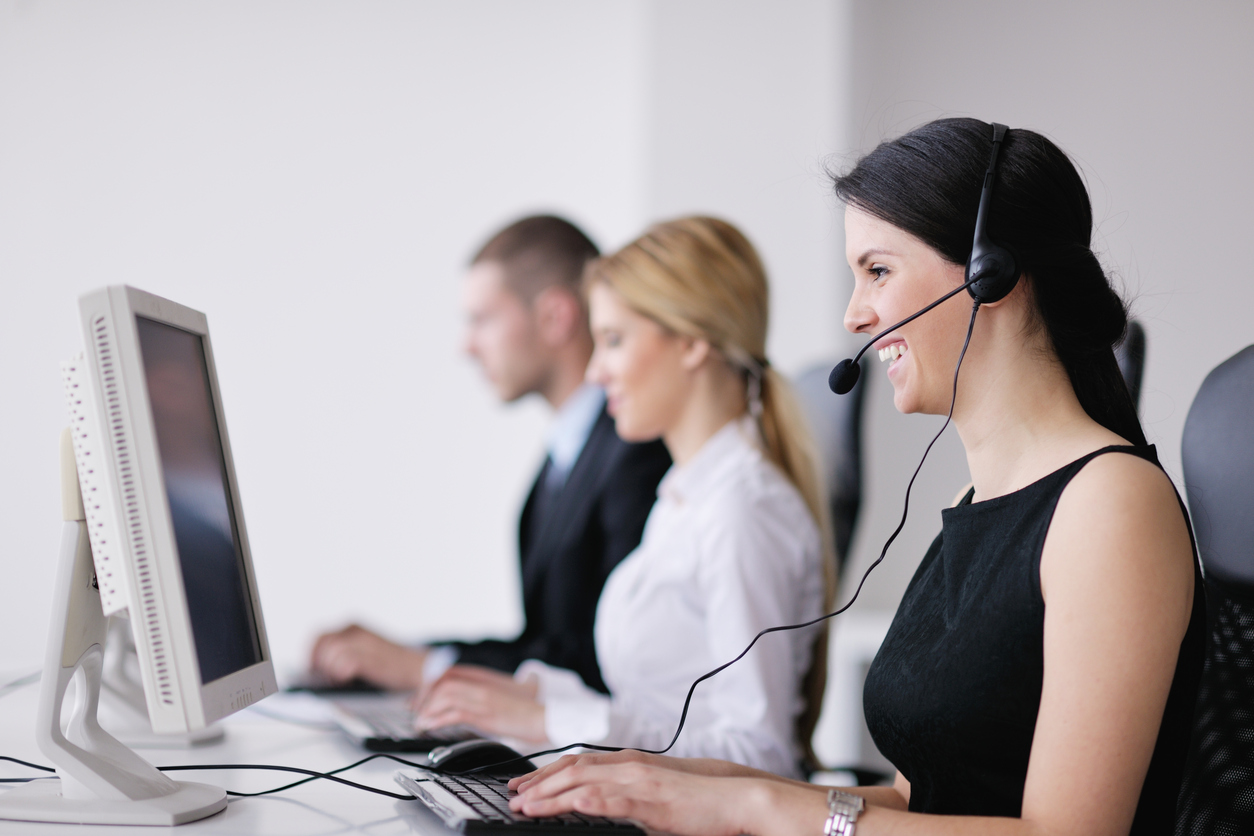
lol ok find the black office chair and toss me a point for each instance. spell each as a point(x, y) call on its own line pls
point(1130, 354)
point(1217, 798)
point(836, 421)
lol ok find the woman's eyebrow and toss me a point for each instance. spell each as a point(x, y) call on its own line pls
point(866, 256)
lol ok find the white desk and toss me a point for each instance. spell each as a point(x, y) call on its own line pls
point(323, 807)
point(319, 807)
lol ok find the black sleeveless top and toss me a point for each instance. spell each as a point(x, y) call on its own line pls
point(953, 694)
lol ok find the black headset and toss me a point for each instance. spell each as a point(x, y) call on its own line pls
point(992, 272)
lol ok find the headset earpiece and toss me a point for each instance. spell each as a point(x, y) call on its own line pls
point(991, 269)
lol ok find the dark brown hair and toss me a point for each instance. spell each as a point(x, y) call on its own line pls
point(538, 252)
point(928, 183)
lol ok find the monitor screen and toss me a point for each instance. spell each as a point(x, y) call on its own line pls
point(205, 531)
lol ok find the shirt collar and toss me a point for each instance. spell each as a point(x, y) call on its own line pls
point(572, 425)
point(737, 439)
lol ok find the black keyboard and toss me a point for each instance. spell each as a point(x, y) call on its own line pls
point(390, 728)
point(488, 796)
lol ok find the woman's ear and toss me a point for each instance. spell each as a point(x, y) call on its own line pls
point(695, 352)
point(1019, 292)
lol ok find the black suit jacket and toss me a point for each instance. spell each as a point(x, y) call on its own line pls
point(588, 526)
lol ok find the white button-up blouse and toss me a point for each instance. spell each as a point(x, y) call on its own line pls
point(729, 548)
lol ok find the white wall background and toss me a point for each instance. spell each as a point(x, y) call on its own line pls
point(745, 100)
point(314, 176)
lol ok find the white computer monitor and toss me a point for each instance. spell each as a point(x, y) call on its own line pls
point(186, 571)
point(154, 526)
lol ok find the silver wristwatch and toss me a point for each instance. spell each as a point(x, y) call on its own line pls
point(842, 811)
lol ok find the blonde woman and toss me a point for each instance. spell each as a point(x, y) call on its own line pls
point(737, 541)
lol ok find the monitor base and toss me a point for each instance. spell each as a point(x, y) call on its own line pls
point(100, 780)
point(41, 800)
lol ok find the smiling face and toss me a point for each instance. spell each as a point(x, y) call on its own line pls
point(644, 369)
point(895, 275)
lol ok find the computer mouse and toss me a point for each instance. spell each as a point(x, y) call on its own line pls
point(466, 755)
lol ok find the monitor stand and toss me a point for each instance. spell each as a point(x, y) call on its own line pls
point(101, 780)
point(123, 709)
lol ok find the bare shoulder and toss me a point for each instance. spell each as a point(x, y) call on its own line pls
point(1121, 491)
point(1119, 521)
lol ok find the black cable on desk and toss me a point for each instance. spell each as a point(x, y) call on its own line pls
point(313, 776)
point(330, 776)
point(25, 763)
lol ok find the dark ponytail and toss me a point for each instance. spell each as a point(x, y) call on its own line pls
point(928, 182)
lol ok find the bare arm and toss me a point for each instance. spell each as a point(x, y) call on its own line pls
point(682, 795)
point(1117, 577)
point(896, 796)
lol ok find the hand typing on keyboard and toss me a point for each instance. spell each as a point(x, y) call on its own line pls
point(489, 797)
point(355, 652)
point(488, 700)
point(672, 795)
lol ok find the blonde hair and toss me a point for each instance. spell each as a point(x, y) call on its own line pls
point(700, 277)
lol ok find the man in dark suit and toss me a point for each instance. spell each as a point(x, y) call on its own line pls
point(527, 326)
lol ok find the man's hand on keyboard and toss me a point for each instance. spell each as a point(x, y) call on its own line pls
point(488, 700)
point(355, 652)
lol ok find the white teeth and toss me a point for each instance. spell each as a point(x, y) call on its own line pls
point(892, 352)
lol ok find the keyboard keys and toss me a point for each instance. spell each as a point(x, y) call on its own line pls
point(489, 797)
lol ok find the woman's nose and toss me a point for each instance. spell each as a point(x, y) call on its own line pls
point(859, 316)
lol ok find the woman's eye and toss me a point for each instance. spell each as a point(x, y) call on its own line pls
point(611, 340)
point(878, 272)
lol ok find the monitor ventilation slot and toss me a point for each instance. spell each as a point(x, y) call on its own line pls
point(145, 580)
point(98, 514)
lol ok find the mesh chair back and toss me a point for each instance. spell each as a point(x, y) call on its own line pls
point(1217, 798)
